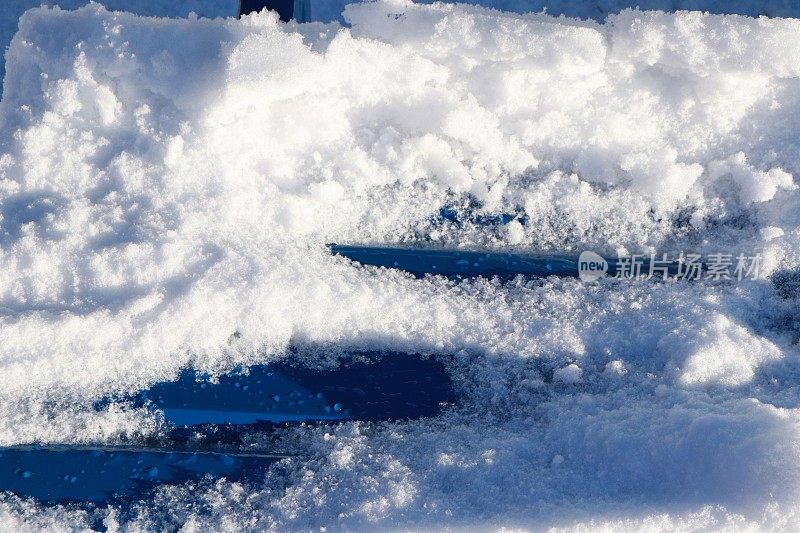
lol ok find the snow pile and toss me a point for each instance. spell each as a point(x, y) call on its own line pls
point(332, 10)
point(11, 10)
point(167, 188)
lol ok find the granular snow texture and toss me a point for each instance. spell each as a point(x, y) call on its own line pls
point(332, 10)
point(11, 10)
point(167, 188)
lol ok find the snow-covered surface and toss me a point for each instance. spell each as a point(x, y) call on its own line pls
point(328, 10)
point(11, 10)
point(332, 10)
point(165, 184)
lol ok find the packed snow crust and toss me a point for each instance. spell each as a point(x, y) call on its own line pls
point(167, 188)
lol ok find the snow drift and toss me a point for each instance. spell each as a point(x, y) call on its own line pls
point(167, 188)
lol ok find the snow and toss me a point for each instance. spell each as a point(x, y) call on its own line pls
point(11, 10)
point(329, 10)
point(332, 10)
point(569, 374)
point(167, 188)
